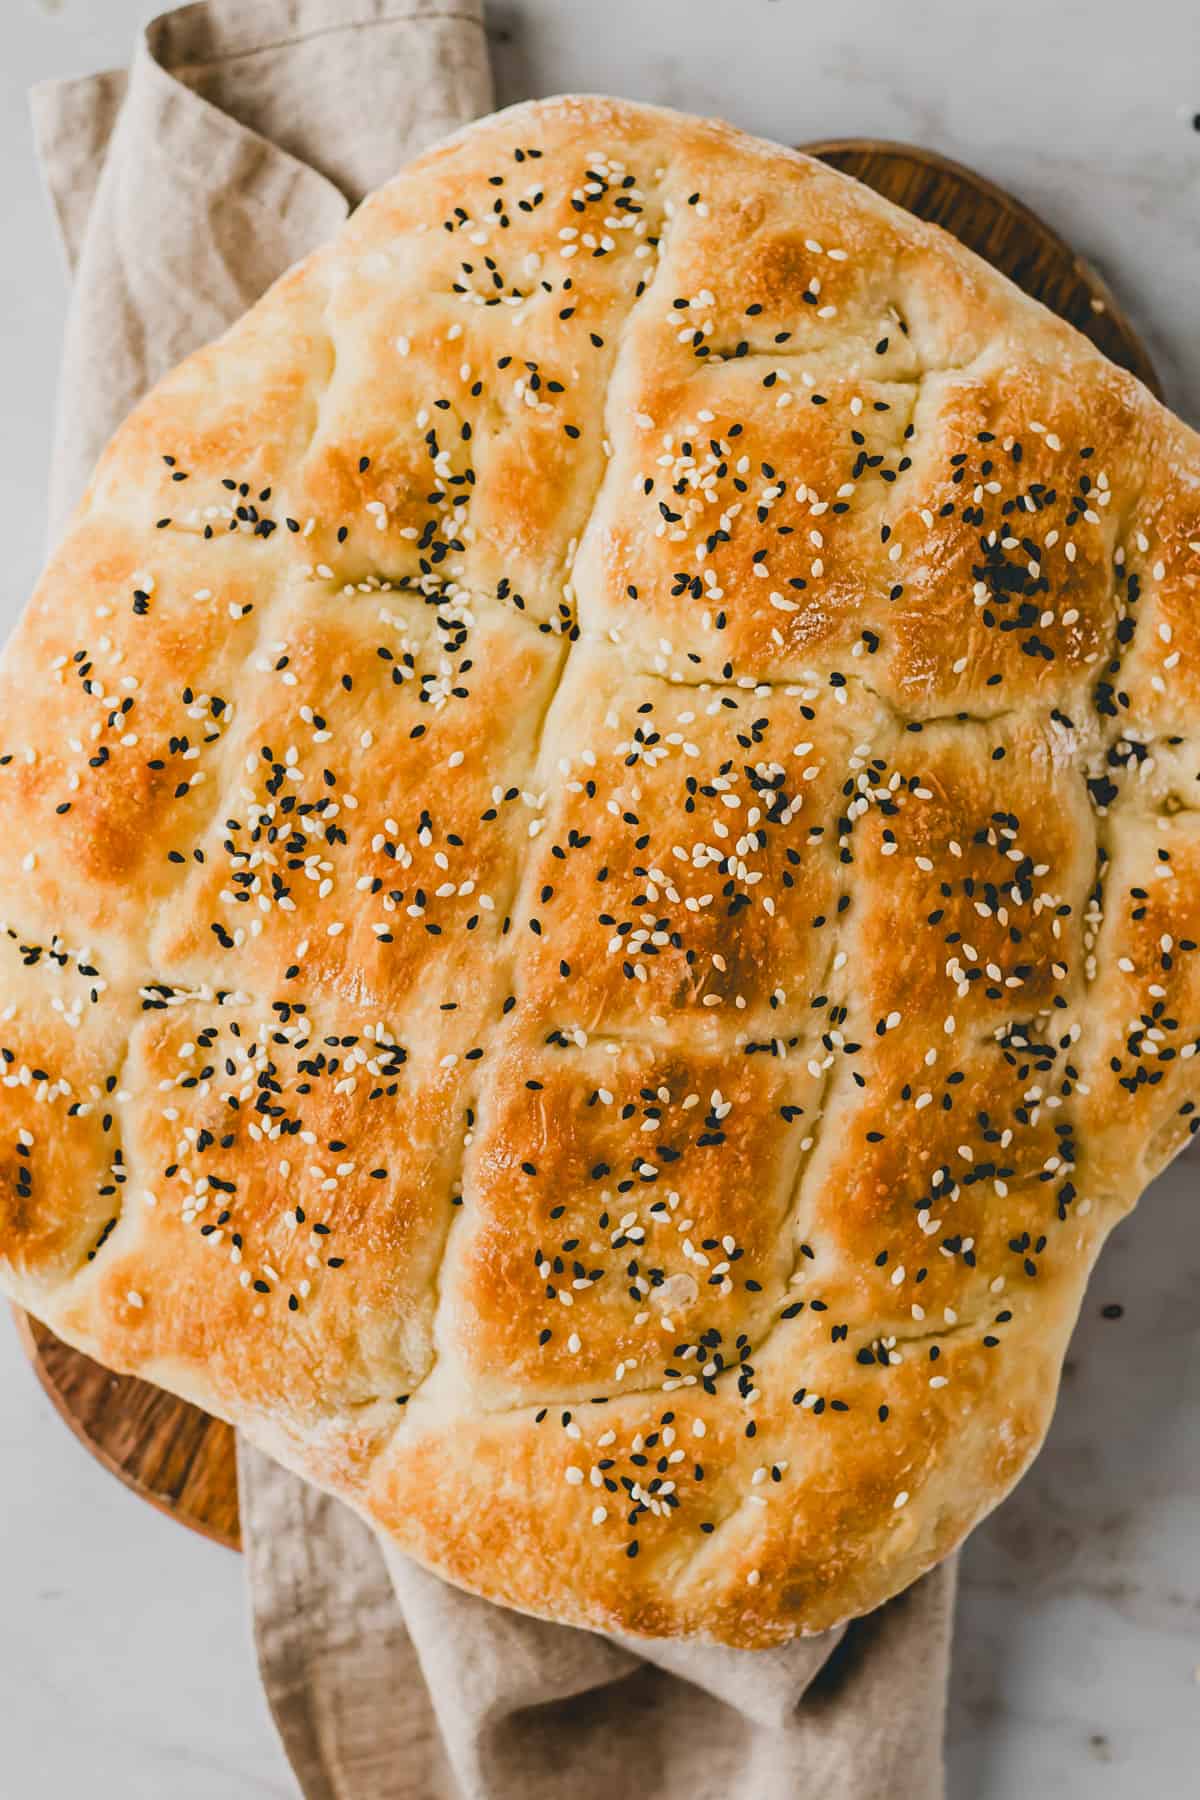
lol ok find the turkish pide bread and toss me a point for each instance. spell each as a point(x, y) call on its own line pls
point(601, 862)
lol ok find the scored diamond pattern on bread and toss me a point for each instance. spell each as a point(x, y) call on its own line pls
point(600, 871)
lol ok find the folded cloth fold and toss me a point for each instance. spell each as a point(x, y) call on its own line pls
point(237, 141)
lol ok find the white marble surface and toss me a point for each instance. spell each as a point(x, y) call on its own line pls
point(125, 1660)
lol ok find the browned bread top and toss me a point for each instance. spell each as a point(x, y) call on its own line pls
point(600, 860)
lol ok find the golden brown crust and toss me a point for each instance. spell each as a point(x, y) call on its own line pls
point(602, 883)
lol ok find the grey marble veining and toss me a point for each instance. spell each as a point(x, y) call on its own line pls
point(125, 1659)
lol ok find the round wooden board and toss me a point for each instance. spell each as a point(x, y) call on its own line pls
point(176, 1456)
point(172, 1454)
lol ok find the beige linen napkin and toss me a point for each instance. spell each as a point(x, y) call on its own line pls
point(237, 141)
